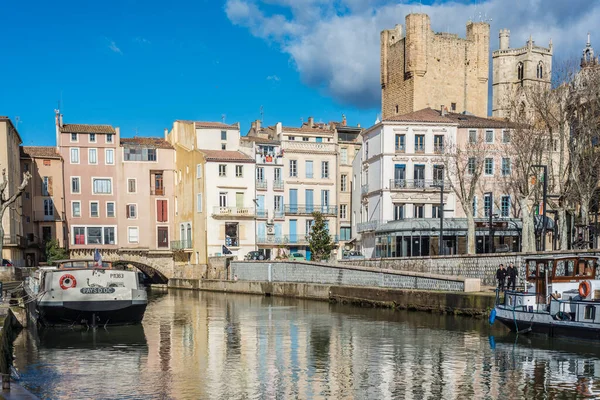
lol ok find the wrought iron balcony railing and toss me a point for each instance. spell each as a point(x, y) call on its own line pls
point(302, 209)
point(181, 244)
point(412, 184)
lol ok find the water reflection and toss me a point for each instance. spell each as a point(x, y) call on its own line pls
point(207, 345)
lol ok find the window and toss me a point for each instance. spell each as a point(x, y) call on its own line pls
point(506, 166)
point(471, 165)
point(231, 234)
point(520, 71)
point(324, 169)
point(343, 155)
point(344, 182)
point(453, 106)
point(345, 233)
point(163, 237)
point(325, 198)
point(109, 235)
point(489, 136)
point(46, 233)
point(397, 108)
point(222, 170)
point(94, 235)
point(159, 188)
point(590, 312)
point(398, 212)
point(223, 135)
point(343, 211)
point(79, 235)
point(109, 138)
point(291, 138)
point(436, 211)
point(133, 234)
point(475, 206)
point(199, 202)
point(472, 136)
point(47, 163)
point(45, 183)
point(75, 155)
point(92, 138)
point(162, 211)
point(305, 139)
point(278, 203)
point(131, 210)
point(223, 146)
point(366, 150)
point(438, 143)
point(223, 199)
point(505, 206)
point(487, 205)
point(400, 143)
point(94, 211)
point(419, 211)
point(139, 154)
point(489, 166)
point(110, 209)
point(102, 186)
point(131, 185)
point(48, 208)
point(308, 166)
point(438, 174)
point(198, 171)
point(239, 171)
point(277, 172)
point(76, 209)
point(540, 70)
point(109, 157)
point(293, 168)
point(260, 174)
point(74, 137)
point(419, 143)
point(506, 136)
point(92, 156)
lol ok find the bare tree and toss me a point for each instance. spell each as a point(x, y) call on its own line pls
point(464, 165)
point(7, 200)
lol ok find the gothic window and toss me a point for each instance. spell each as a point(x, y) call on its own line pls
point(540, 70)
point(520, 71)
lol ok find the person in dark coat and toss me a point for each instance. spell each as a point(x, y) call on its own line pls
point(500, 276)
point(511, 273)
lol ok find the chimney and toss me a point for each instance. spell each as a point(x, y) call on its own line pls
point(257, 125)
point(343, 120)
point(358, 125)
point(311, 122)
point(442, 110)
point(166, 133)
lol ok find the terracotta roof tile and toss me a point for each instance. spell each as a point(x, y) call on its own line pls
point(307, 129)
point(227, 155)
point(424, 115)
point(39, 152)
point(153, 142)
point(472, 121)
point(86, 128)
point(259, 140)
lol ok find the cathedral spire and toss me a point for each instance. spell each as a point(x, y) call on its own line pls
point(587, 58)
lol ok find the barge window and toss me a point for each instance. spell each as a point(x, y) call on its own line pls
point(590, 312)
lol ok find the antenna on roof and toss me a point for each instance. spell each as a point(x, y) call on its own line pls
point(262, 113)
point(223, 118)
point(136, 131)
point(17, 120)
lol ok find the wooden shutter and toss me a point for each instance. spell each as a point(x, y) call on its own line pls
point(50, 191)
point(162, 211)
point(127, 208)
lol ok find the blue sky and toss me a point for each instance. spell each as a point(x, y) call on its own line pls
point(141, 67)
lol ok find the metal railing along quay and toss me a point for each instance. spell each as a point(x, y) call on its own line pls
point(289, 239)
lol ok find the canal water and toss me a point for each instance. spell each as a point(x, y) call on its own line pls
point(196, 345)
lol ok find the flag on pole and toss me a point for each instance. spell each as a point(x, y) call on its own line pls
point(98, 258)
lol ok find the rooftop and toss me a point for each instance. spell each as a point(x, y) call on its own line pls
point(217, 125)
point(39, 152)
point(259, 140)
point(227, 156)
point(471, 121)
point(86, 128)
point(152, 142)
point(425, 115)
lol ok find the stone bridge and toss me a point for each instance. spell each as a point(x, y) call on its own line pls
point(158, 266)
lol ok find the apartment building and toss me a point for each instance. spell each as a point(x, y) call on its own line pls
point(13, 240)
point(43, 201)
point(145, 189)
point(90, 154)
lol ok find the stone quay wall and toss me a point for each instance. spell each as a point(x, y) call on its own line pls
point(346, 275)
point(478, 266)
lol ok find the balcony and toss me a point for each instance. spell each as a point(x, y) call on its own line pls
point(297, 239)
point(308, 147)
point(277, 184)
point(262, 213)
point(368, 226)
point(261, 184)
point(418, 184)
point(400, 148)
point(271, 159)
point(419, 148)
point(364, 189)
point(438, 149)
point(181, 244)
point(40, 216)
point(278, 213)
point(154, 191)
point(14, 241)
point(301, 209)
point(233, 212)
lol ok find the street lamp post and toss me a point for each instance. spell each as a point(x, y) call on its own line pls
point(544, 195)
point(490, 213)
point(441, 249)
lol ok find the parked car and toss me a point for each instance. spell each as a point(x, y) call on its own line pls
point(254, 255)
point(6, 263)
point(296, 257)
point(353, 255)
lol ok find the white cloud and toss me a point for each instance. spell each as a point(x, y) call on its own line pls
point(335, 44)
point(141, 40)
point(274, 78)
point(113, 47)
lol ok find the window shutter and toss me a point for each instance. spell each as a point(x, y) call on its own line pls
point(50, 186)
point(127, 206)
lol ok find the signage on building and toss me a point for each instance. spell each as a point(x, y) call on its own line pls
point(495, 224)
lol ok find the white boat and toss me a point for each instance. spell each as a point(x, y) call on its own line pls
point(560, 297)
point(84, 292)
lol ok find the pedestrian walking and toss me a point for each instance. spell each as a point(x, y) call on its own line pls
point(500, 276)
point(512, 274)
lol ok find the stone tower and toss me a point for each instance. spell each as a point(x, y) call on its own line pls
point(517, 69)
point(421, 68)
point(587, 58)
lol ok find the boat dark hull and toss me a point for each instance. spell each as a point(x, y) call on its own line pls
point(555, 329)
point(115, 312)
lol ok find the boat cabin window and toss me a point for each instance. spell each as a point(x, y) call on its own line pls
point(83, 265)
point(590, 312)
point(75, 264)
point(564, 268)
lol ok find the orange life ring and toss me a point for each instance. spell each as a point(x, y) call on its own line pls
point(585, 288)
point(67, 281)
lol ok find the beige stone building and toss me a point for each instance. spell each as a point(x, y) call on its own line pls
point(43, 201)
point(517, 69)
point(421, 68)
point(13, 239)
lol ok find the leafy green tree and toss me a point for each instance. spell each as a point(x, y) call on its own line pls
point(54, 251)
point(319, 239)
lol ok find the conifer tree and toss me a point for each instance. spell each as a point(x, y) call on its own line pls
point(319, 239)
